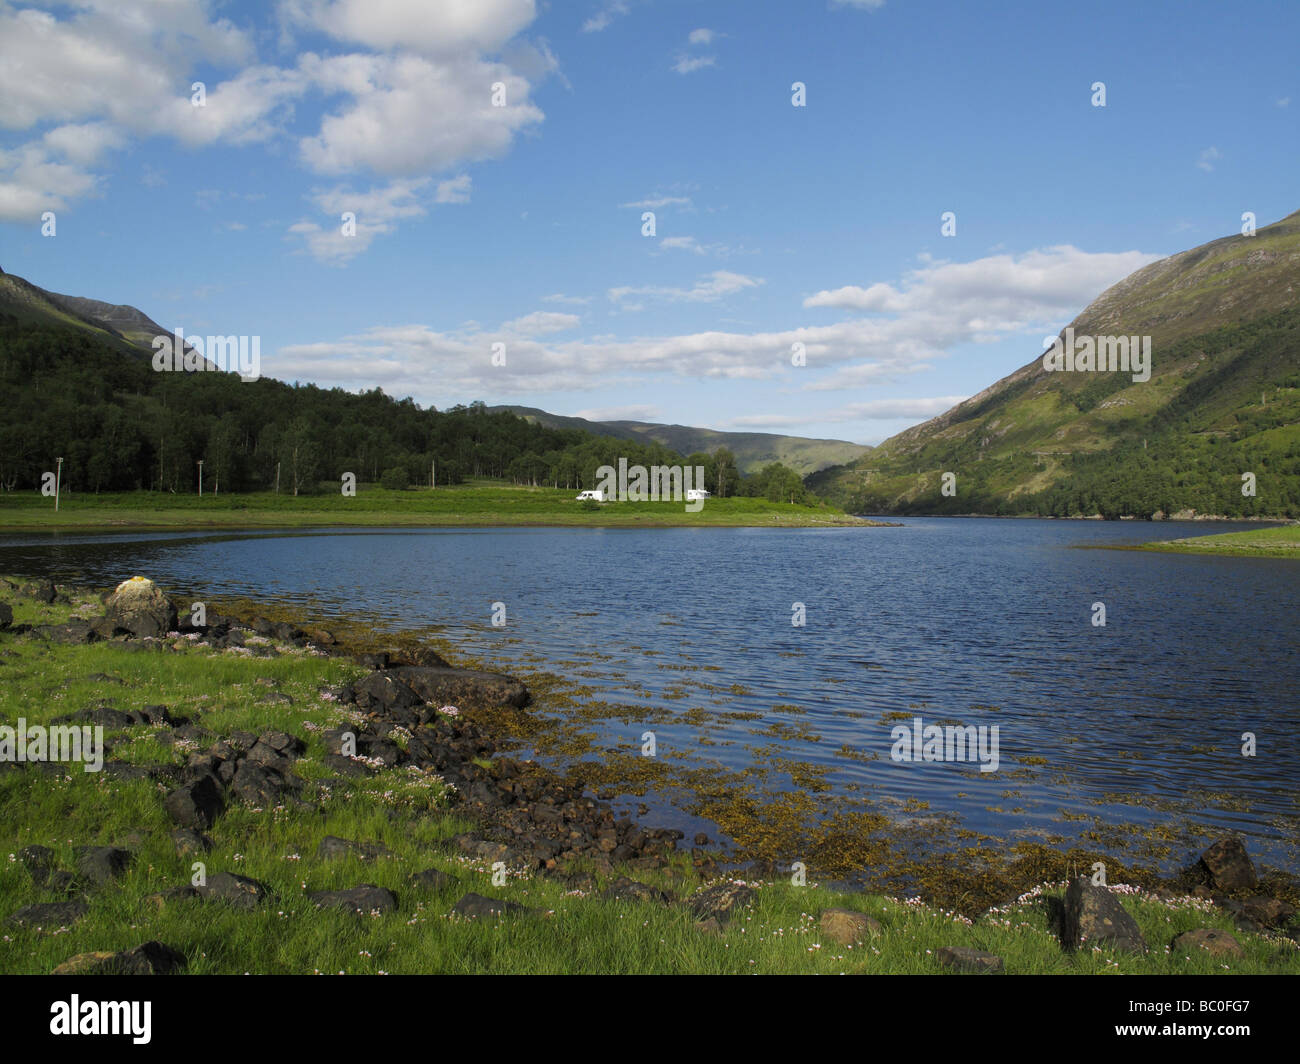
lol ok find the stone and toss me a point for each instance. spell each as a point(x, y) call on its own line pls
point(460, 687)
point(50, 914)
point(476, 906)
point(962, 959)
point(434, 879)
point(100, 864)
point(150, 958)
point(39, 862)
point(333, 846)
point(1229, 866)
point(721, 900)
point(847, 927)
point(139, 606)
point(163, 898)
point(624, 889)
point(6, 616)
point(1093, 916)
point(189, 841)
point(240, 891)
point(384, 691)
point(1217, 943)
point(196, 805)
point(365, 898)
point(1267, 912)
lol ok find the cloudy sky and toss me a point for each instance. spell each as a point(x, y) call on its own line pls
point(499, 158)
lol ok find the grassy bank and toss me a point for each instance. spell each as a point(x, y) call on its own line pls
point(1255, 543)
point(413, 816)
point(476, 504)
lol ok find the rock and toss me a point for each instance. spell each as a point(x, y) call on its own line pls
point(384, 691)
point(151, 958)
point(461, 687)
point(425, 657)
point(1229, 866)
point(262, 786)
point(720, 901)
point(701, 839)
point(1218, 943)
point(163, 898)
point(139, 606)
point(1267, 912)
point(51, 914)
point(189, 841)
point(6, 616)
point(333, 846)
point(708, 926)
point(365, 898)
point(283, 743)
point(434, 879)
point(240, 891)
point(1094, 917)
point(847, 927)
point(100, 864)
point(73, 633)
point(41, 591)
point(347, 766)
point(39, 862)
point(196, 805)
point(624, 889)
point(475, 906)
point(962, 959)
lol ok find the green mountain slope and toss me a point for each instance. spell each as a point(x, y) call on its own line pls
point(1223, 400)
point(753, 450)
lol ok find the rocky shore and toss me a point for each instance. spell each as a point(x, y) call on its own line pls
point(412, 710)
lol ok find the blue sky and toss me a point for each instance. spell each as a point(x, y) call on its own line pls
point(522, 224)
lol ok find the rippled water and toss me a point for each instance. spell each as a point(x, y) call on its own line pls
point(974, 621)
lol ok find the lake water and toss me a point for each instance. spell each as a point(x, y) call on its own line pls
point(969, 621)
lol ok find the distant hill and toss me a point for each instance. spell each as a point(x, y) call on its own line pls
point(753, 450)
point(1223, 399)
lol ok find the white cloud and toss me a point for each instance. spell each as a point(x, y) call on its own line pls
point(688, 64)
point(31, 182)
point(577, 301)
point(871, 410)
point(542, 323)
point(708, 289)
point(701, 36)
point(377, 212)
point(456, 190)
point(1208, 158)
point(655, 202)
point(444, 28)
point(860, 5)
point(1285, 101)
point(601, 19)
point(83, 144)
point(409, 115)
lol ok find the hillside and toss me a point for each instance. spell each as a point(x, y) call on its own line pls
point(1223, 399)
point(753, 450)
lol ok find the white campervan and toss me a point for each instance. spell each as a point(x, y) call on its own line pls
point(594, 496)
point(697, 495)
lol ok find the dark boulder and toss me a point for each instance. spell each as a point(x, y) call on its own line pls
point(364, 899)
point(139, 606)
point(151, 958)
point(461, 687)
point(53, 914)
point(1093, 916)
point(241, 892)
point(196, 805)
point(962, 959)
point(476, 906)
point(1229, 866)
point(100, 864)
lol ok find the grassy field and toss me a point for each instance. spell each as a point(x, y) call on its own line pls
point(1281, 542)
point(480, 503)
point(409, 813)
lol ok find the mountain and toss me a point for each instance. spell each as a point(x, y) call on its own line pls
point(753, 450)
point(1223, 400)
point(22, 301)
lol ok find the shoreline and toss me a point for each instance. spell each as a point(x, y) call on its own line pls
point(466, 748)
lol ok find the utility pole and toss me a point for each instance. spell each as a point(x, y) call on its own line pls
point(433, 475)
point(58, 479)
point(200, 478)
point(277, 478)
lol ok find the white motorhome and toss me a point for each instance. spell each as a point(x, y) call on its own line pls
point(594, 496)
point(697, 495)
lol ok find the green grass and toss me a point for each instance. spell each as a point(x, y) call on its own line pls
point(480, 503)
point(1281, 542)
point(222, 691)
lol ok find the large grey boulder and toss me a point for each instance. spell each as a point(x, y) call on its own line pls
point(139, 606)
